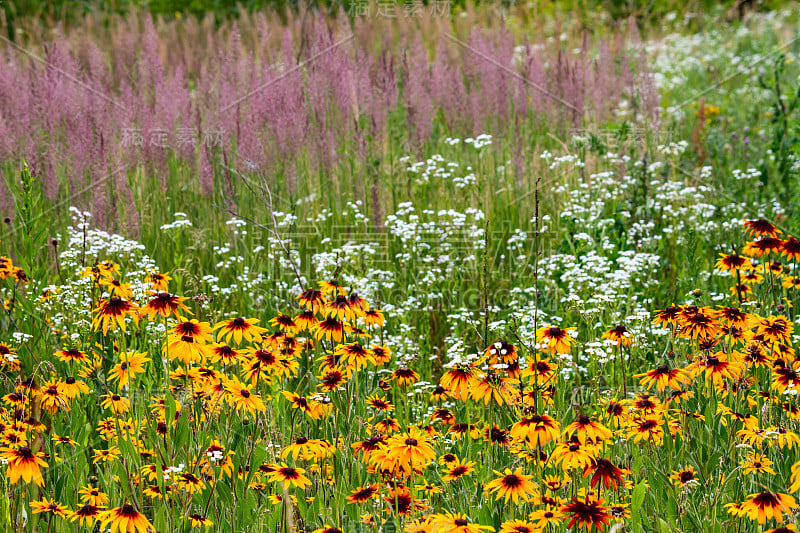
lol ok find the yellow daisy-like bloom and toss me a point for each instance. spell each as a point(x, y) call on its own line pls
point(239, 395)
point(106, 456)
point(456, 523)
point(457, 469)
point(131, 363)
point(111, 313)
point(620, 335)
point(164, 304)
point(685, 476)
point(512, 485)
point(555, 339)
point(290, 476)
point(663, 377)
point(86, 515)
point(239, 328)
point(764, 505)
point(545, 517)
point(732, 262)
point(188, 341)
point(93, 496)
point(158, 281)
point(23, 464)
point(493, 388)
point(573, 455)
point(537, 429)
point(49, 506)
point(585, 428)
point(411, 450)
point(125, 519)
point(118, 404)
point(757, 463)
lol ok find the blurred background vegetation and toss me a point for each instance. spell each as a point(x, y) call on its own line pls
point(646, 12)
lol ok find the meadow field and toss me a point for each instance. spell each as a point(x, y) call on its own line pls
point(419, 267)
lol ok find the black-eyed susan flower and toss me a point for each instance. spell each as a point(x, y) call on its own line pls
point(573, 455)
point(620, 511)
point(493, 388)
point(164, 304)
point(763, 246)
point(189, 482)
point(402, 502)
point(117, 403)
point(555, 339)
point(52, 398)
point(620, 335)
point(369, 446)
point(457, 469)
point(512, 485)
point(536, 429)
point(312, 299)
point(107, 455)
point(71, 354)
point(131, 363)
point(24, 463)
point(587, 512)
point(363, 494)
point(125, 519)
point(158, 281)
point(188, 340)
point(457, 523)
point(759, 227)
point(374, 317)
point(604, 471)
point(111, 313)
point(286, 324)
point(585, 428)
point(663, 377)
point(757, 463)
point(685, 476)
point(647, 428)
point(86, 515)
point(732, 262)
point(49, 507)
point(307, 449)
point(776, 329)
point(428, 489)
point(493, 434)
point(238, 328)
point(405, 376)
point(764, 505)
point(379, 403)
point(242, 398)
point(329, 329)
point(550, 516)
point(410, 450)
point(381, 355)
point(198, 520)
point(93, 496)
point(518, 526)
point(283, 473)
point(72, 388)
point(458, 381)
point(328, 529)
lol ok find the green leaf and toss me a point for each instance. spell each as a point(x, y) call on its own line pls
point(637, 499)
point(257, 457)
